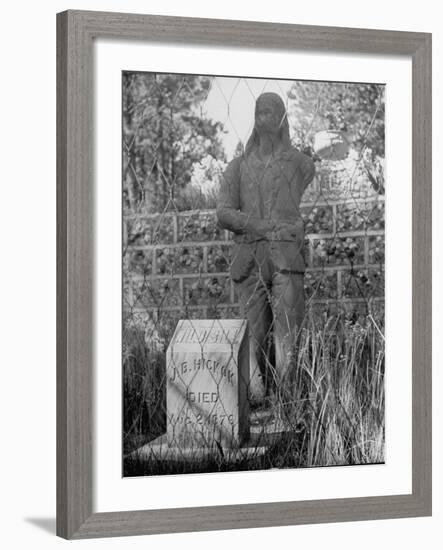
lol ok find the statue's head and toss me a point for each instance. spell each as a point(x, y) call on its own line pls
point(270, 118)
point(270, 113)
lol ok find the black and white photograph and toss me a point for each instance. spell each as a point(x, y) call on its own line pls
point(253, 273)
point(219, 310)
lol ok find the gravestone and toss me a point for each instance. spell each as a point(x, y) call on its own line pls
point(207, 384)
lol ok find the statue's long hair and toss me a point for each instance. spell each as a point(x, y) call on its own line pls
point(277, 102)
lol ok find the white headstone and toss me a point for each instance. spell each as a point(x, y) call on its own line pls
point(207, 384)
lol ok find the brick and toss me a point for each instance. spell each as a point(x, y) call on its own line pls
point(318, 219)
point(377, 249)
point(207, 290)
point(363, 283)
point(338, 251)
point(179, 260)
point(199, 227)
point(150, 230)
point(359, 216)
point(157, 293)
point(140, 262)
point(321, 285)
point(219, 258)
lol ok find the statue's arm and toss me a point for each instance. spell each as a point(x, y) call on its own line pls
point(229, 213)
point(289, 231)
point(307, 170)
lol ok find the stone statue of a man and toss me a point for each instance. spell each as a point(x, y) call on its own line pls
point(259, 202)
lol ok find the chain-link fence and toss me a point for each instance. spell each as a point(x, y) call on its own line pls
point(195, 248)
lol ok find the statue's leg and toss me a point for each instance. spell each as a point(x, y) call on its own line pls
point(288, 305)
point(254, 301)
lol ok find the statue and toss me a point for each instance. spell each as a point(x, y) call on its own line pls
point(259, 202)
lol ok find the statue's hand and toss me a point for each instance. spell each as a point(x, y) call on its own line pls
point(262, 228)
point(285, 231)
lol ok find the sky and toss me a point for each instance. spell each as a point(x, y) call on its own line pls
point(231, 100)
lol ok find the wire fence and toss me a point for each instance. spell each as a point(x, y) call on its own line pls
point(179, 260)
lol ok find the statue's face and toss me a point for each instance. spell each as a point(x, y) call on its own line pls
point(268, 117)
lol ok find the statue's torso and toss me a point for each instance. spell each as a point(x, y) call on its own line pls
point(271, 189)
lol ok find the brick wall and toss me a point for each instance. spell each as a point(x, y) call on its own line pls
point(176, 265)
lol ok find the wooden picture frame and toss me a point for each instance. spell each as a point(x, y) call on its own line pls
point(76, 32)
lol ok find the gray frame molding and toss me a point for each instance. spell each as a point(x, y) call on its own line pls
point(76, 31)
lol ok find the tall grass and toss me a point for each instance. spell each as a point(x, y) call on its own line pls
point(332, 404)
point(144, 390)
point(337, 393)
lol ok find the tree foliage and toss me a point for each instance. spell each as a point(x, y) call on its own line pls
point(355, 109)
point(165, 133)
